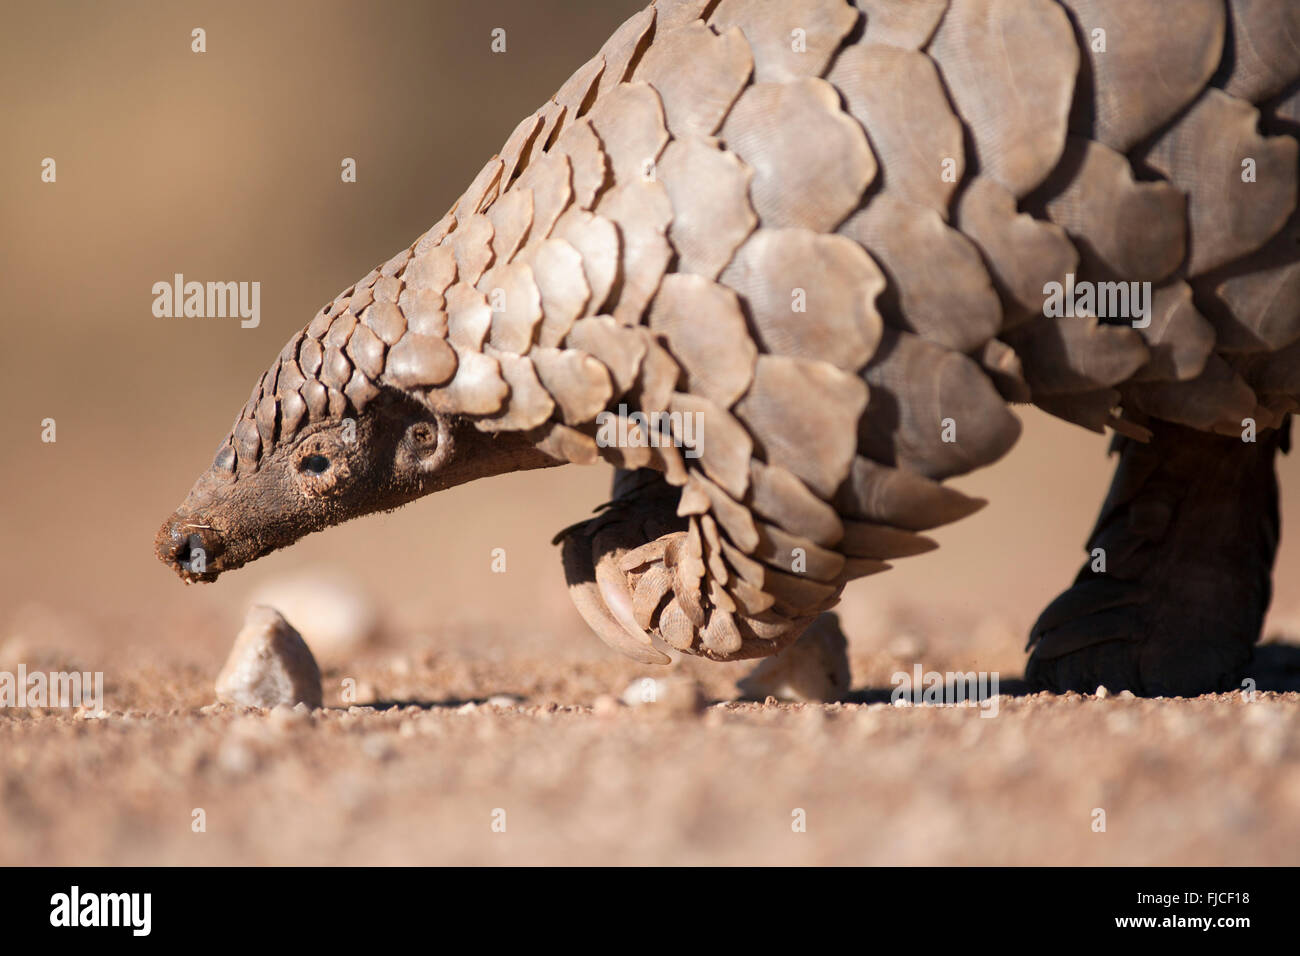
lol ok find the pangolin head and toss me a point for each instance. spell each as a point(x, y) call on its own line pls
point(340, 426)
point(258, 496)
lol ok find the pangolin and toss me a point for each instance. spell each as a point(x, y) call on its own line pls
point(785, 264)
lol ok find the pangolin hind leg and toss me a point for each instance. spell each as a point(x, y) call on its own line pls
point(1186, 537)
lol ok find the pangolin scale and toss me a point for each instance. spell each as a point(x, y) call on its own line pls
point(785, 263)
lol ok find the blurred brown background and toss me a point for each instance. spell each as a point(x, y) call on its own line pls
point(225, 166)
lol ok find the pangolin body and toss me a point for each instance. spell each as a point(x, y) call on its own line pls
point(786, 262)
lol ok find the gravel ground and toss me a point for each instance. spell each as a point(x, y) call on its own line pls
point(469, 756)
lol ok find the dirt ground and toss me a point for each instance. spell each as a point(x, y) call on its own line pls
point(445, 745)
point(225, 166)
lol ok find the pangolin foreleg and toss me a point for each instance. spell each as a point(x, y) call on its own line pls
point(647, 575)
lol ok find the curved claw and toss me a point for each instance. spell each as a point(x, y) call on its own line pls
point(649, 581)
point(596, 593)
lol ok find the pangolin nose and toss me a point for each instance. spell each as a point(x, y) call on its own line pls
point(188, 545)
point(180, 546)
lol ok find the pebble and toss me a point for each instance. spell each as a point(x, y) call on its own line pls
point(815, 668)
point(283, 717)
point(236, 757)
point(1102, 692)
point(269, 665)
point(377, 747)
point(868, 721)
point(1122, 722)
point(906, 647)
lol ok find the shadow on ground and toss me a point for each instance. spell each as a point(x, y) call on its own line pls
point(1275, 667)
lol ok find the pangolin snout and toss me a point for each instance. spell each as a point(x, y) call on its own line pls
point(189, 547)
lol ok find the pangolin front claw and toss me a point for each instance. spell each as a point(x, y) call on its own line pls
point(601, 594)
point(649, 581)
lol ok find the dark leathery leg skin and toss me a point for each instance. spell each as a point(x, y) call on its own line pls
point(1189, 531)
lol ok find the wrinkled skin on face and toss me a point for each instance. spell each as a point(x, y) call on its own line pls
point(393, 452)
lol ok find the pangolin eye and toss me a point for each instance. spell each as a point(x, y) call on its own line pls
point(314, 464)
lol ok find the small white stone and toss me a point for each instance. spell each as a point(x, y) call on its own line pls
point(906, 647)
point(270, 664)
point(284, 718)
point(377, 747)
point(1122, 722)
point(236, 756)
point(1102, 692)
